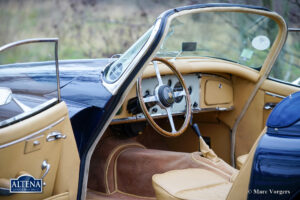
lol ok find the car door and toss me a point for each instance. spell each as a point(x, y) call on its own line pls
point(38, 152)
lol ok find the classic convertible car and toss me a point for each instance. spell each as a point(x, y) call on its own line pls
point(184, 113)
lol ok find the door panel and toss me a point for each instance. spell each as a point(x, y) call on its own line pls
point(254, 120)
point(274, 93)
point(19, 154)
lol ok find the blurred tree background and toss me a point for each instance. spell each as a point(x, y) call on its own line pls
point(101, 28)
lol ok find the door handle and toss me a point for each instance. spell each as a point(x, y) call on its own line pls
point(45, 166)
point(269, 106)
point(55, 136)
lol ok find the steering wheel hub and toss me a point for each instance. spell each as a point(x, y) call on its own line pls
point(166, 95)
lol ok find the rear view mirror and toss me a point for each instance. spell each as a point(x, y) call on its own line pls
point(189, 46)
point(5, 96)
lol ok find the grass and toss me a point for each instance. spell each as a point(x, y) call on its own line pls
point(88, 28)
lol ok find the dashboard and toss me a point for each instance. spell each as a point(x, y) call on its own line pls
point(208, 92)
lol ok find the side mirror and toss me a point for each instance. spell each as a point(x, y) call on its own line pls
point(5, 96)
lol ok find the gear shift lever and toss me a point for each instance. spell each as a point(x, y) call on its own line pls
point(203, 147)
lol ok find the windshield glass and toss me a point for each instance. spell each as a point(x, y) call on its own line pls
point(287, 66)
point(242, 38)
point(116, 69)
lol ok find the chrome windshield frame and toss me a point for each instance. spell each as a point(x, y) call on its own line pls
point(114, 86)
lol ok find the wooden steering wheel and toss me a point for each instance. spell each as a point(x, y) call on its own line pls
point(164, 96)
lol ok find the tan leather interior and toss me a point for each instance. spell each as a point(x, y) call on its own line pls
point(210, 126)
point(239, 189)
point(216, 91)
point(240, 161)
point(203, 184)
point(186, 66)
point(243, 88)
point(125, 166)
point(191, 184)
point(222, 97)
point(251, 124)
point(18, 153)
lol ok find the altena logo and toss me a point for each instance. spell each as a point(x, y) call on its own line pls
point(26, 184)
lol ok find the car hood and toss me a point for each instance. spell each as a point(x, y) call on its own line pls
point(81, 82)
point(71, 70)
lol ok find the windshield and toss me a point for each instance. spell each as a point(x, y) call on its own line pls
point(116, 69)
point(242, 38)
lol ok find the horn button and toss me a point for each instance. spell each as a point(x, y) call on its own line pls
point(166, 95)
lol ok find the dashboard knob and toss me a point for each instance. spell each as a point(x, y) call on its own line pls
point(154, 110)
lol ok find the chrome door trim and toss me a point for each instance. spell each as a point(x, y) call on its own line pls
point(32, 134)
point(28, 114)
point(275, 95)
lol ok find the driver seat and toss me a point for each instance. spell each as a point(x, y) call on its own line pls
point(197, 184)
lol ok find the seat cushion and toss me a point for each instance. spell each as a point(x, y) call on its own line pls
point(190, 184)
point(241, 160)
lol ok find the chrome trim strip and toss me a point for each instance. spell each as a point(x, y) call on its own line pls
point(275, 95)
point(159, 115)
point(293, 29)
point(32, 134)
point(28, 113)
point(124, 119)
point(57, 70)
point(27, 41)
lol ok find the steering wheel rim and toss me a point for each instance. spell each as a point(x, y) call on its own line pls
point(157, 98)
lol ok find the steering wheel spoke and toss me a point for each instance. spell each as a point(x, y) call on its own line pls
point(169, 112)
point(179, 93)
point(157, 73)
point(149, 99)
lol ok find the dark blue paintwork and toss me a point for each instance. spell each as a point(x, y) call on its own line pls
point(286, 112)
point(82, 84)
point(85, 95)
point(276, 164)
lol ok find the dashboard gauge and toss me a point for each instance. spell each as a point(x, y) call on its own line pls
point(177, 88)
